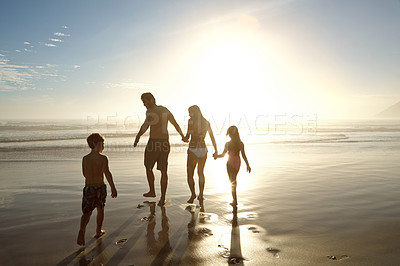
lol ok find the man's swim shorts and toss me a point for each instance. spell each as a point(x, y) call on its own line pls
point(157, 150)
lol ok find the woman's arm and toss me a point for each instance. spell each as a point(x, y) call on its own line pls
point(223, 153)
point(189, 130)
point(210, 132)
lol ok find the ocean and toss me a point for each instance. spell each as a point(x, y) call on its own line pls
point(71, 134)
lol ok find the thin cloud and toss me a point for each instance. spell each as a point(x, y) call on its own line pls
point(55, 40)
point(50, 45)
point(27, 43)
point(18, 51)
point(65, 27)
point(126, 85)
point(77, 66)
point(23, 77)
point(61, 34)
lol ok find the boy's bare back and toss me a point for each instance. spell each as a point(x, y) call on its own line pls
point(94, 166)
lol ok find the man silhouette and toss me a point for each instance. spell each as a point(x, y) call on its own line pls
point(157, 148)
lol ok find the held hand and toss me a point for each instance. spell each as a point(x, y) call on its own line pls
point(185, 139)
point(215, 155)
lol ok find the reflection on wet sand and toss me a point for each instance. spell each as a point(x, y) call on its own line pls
point(96, 255)
point(159, 247)
point(158, 242)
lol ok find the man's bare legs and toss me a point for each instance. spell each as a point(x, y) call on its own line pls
point(164, 184)
point(81, 235)
point(150, 180)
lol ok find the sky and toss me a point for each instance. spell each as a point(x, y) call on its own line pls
point(77, 59)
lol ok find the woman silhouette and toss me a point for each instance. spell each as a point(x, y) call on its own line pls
point(198, 127)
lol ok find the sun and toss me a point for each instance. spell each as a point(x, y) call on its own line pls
point(232, 71)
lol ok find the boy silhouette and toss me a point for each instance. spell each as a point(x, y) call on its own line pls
point(94, 167)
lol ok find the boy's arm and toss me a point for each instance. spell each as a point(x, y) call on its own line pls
point(212, 139)
point(142, 130)
point(175, 124)
point(245, 158)
point(109, 177)
point(83, 167)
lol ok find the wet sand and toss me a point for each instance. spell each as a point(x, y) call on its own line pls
point(299, 206)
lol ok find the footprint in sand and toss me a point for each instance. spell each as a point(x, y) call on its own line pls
point(204, 232)
point(274, 251)
point(146, 218)
point(208, 217)
point(120, 243)
point(225, 251)
point(343, 257)
point(253, 229)
point(236, 260)
point(251, 215)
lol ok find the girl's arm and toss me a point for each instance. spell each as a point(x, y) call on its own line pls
point(212, 139)
point(245, 158)
point(223, 153)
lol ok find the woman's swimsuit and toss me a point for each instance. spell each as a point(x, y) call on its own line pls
point(197, 145)
point(199, 152)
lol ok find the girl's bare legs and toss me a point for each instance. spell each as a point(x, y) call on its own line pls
point(232, 173)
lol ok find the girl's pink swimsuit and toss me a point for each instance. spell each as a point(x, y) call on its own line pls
point(234, 160)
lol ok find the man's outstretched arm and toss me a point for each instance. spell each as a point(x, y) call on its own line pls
point(175, 124)
point(142, 130)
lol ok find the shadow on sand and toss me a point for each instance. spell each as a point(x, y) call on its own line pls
point(235, 256)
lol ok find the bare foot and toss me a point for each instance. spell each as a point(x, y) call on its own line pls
point(81, 238)
point(161, 202)
point(191, 199)
point(102, 233)
point(149, 194)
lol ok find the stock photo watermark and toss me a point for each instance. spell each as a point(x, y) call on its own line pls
point(121, 131)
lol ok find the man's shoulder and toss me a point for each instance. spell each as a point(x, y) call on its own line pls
point(163, 108)
point(157, 109)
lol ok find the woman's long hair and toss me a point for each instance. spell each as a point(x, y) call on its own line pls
point(198, 122)
point(236, 142)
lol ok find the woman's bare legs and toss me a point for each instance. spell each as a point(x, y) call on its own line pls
point(202, 180)
point(191, 165)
